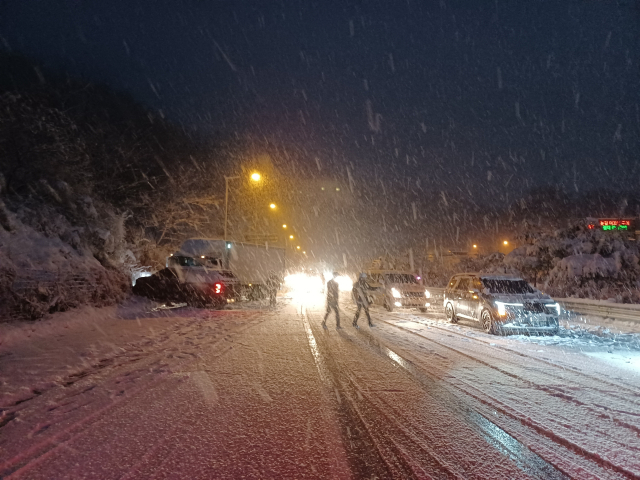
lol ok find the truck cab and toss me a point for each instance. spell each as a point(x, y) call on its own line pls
point(205, 274)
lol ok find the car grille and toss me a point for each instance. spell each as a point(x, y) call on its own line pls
point(413, 294)
point(533, 307)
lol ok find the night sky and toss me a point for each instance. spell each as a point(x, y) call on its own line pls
point(481, 100)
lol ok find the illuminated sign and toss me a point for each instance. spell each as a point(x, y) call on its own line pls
point(611, 224)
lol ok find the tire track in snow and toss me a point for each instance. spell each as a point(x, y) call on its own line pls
point(528, 461)
point(522, 419)
point(46, 447)
point(365, 459)
point(541, 386)
point(618, 386)
point(403, 442)
point(612, 413)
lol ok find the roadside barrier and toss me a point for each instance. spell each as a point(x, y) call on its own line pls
point(616, 311)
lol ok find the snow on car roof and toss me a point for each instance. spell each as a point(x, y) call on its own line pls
point(501, 277)
point(403, 272)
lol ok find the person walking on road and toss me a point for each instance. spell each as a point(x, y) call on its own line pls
point(332, 300)
point(273, 284)
point(360, 296)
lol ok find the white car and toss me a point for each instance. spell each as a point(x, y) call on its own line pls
point(396, 289)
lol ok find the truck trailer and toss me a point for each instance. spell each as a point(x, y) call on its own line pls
point(250, 263)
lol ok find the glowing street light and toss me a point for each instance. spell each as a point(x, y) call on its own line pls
point(284, 226)
point(290, 237)
point(298, 247)
point(505, 242)
point(475, 246)
point(255, 176)
point(272, 206)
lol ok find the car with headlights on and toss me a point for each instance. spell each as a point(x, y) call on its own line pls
point(501, 304)
point(396, 289)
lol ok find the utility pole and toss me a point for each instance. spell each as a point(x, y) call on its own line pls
point(226, 205)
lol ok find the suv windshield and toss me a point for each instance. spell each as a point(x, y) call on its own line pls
point(507, 286)
point(399, 278)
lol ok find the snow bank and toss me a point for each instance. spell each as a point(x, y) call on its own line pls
point(587, 265)
point(580, 262)
point(51, 269)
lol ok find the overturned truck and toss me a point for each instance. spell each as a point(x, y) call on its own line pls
point(208, 271)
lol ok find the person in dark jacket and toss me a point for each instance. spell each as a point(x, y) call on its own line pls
point(360, 296)
point(332, 300)
point(273, 285)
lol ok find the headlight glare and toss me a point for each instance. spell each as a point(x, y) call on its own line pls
point(427, 293)
point(502, 311)
point(551, 308)
point(395, 293)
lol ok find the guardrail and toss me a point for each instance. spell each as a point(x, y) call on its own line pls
point(616, 311)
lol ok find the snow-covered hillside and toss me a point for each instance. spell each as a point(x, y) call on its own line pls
point(47, 264)
point(571, 262)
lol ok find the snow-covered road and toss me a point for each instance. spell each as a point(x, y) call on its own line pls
point(258, 393)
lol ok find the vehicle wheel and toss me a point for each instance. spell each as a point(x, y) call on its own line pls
point(388, 305)
point(451, 317)
point(423, 309)
point(488, 323)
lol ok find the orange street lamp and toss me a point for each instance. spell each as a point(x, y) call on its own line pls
point(284, 226)
point(272, 206)
point(291, 237)
point(475, 246)
point(298, 247)
point(505, 242)
point(255, 176)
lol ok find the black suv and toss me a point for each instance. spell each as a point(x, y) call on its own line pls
point(501, 303)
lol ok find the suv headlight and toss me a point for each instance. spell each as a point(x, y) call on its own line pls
point(427, 293)
point(502, 311)
point(395, 293)
point(552, 308)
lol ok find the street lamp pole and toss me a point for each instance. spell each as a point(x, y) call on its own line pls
point(226, 205)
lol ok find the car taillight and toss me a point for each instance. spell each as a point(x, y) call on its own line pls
point(218, 287)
